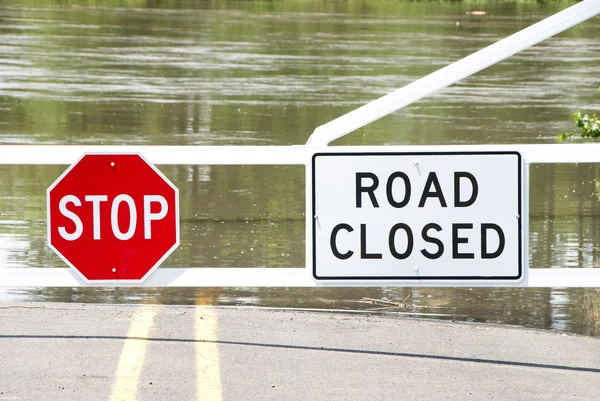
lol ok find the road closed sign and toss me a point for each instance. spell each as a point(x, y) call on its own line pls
point(434, 216)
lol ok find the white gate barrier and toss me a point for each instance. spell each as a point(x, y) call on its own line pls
point(303, 155)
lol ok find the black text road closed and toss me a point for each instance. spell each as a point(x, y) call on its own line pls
point(417, 216)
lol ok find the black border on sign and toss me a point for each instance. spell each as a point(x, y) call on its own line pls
point(413, 278)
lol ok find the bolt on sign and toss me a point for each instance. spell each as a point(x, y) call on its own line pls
point(436, 216)
point(113, 217)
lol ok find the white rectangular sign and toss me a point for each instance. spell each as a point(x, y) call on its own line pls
point(418, 216)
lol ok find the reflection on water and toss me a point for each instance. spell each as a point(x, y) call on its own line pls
point(268, 73)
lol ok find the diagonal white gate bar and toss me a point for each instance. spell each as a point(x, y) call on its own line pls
point(452, 73)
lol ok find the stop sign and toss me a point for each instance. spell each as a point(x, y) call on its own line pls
point(113, 217)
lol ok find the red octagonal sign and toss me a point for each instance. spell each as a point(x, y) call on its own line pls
point(113, 217)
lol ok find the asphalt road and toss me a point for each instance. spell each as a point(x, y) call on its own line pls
point(108, 352)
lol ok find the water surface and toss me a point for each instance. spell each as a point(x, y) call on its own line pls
point(269, 73)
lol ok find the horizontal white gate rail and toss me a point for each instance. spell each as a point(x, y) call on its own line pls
point(272, 277)
point(277, 155)
point(301, 155)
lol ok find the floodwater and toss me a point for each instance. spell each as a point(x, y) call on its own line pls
point(268, 73)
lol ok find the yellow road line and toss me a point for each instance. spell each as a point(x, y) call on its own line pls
point(208, 369)
point(132, 356)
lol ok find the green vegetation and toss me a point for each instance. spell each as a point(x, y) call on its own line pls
point(589, 126)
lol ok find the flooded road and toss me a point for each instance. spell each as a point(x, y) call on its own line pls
point(269, 73)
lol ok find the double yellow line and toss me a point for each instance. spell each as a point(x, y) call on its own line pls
point(131, 361)
point(132, 355)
